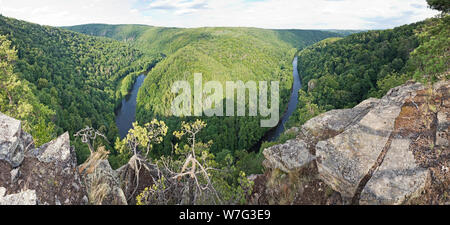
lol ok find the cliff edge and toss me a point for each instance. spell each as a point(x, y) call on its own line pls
point(393, 150)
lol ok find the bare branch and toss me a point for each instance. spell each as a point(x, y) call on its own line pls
point(88, 136)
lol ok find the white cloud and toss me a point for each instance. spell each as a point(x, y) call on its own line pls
point(73, 12)
point(300, 14)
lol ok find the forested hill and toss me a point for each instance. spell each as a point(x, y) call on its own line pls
point(341, 72)
point(168, 40)
point(64, 80)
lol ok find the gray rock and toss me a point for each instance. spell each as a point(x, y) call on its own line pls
point(370, 154)
point(51, 181)
point(22, 198)
point(397, 179)
point(287, 157)
point(85, 200)
point(46, 170)
point(346, 158)
point(57, 150)
point(312, 85)
point(51, 170)
point(57, 202)
point(334, 122)
point(11, 145)
point(14, 175)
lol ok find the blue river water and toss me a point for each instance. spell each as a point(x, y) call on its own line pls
point(275, 133)
point(126, 114)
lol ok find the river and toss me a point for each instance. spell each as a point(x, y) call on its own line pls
point(126, 115)
point(275, 133)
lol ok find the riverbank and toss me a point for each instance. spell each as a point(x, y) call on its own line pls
point(275, 132)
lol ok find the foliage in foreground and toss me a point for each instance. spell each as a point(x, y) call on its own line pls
point(191, 175)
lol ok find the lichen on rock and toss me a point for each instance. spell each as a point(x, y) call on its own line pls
point(49, 171)
point(382, 151)
point(27, 197)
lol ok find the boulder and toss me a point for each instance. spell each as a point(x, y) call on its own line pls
point(22, 198)
point(344, 160)
point(292, 155)
point(334, 122)
point(11, 142)
point(51, 170)
point(57, 150)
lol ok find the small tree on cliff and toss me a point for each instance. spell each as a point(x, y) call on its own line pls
point(139, 142)
point(141, 139)
point(192, 176)
point(88, 136)
point(185, 180)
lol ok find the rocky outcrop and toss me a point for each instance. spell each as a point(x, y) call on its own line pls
point(398, 178)
point(47, 175)
point(382, 151)
point(12, 140)
point(292, 155)
point(334, 122)
point(348, 157)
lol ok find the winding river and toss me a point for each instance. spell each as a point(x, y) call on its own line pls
point(275, 133)
point(126, 114)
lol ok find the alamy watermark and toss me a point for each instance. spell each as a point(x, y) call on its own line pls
point(209, 99)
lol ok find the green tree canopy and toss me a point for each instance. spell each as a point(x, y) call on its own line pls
point(441, 5)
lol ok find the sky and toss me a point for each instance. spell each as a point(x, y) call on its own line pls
point(273, 14)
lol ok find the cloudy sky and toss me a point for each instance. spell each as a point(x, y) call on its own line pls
point(299, 14)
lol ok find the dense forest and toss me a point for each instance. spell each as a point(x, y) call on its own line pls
point(220, 54)
point(68, 80)
point(225, 54)
point(341, 72)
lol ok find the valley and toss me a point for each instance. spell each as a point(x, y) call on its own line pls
point(220, 54)
point(86, 114)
